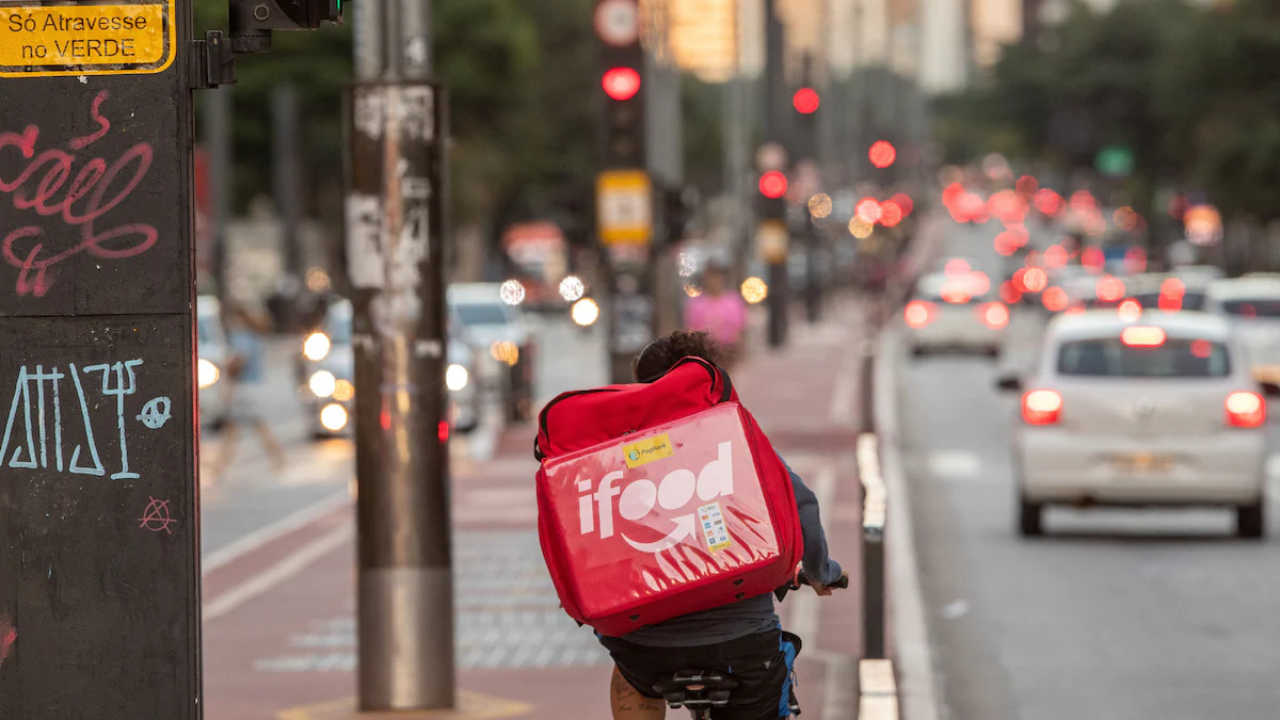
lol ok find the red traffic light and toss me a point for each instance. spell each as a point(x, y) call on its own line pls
point(773, 185)
point(621, 83)
point(883, 154)
point(806, 101)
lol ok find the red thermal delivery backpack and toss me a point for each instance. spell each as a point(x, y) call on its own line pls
point(661, 499)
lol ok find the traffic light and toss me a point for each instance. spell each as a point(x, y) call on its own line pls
point(771, 203)
point(253, 20)
point(806, 101)
point(621, 82)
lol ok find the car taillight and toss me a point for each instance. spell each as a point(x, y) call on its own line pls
point(1041, 407)
point(995, 315)
point(1246, 409)
point(918, 313)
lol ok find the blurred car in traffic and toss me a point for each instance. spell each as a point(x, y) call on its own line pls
point(1158, 411)
point(1252, 304)
point(1168, 291)
point(329, 371)
point(213, 356)
point(478, 314)
point(955, 311)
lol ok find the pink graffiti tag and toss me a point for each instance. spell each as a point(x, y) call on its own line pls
point(156, 517)
point(95, 189)
point(6, 642)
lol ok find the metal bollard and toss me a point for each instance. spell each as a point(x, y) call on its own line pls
point(873, 521)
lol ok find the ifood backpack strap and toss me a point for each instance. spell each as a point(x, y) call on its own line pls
point(717, 374)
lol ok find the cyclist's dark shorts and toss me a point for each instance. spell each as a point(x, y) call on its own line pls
point(761, 663)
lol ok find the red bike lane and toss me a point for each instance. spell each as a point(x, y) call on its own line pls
point(279, 622)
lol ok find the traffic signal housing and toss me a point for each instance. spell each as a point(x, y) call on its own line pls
point(253, 20)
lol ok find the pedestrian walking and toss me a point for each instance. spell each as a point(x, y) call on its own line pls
point(246, 399)
point(720, 312)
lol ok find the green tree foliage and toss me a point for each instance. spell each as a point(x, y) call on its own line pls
point(1191, 92)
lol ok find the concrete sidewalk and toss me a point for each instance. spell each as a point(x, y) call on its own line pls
point(280, 630)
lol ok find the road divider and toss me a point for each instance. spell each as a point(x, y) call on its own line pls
point(917, 687)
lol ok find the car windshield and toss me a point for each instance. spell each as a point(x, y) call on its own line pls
point(1151, 301)
point(1175, 358)
point(1253, 308)
point(482, 314)
point(338, 327)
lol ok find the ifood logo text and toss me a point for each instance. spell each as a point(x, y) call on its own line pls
point(675, 492)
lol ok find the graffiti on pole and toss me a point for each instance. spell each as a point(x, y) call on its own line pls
point(76, 189)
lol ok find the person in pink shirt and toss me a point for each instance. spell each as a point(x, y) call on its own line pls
point(718, 311)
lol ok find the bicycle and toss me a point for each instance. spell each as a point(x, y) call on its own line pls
point(700, 691)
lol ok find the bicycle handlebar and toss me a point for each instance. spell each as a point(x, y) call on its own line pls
point(801, 579)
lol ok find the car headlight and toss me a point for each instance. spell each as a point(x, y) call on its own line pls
point(207, 374)
point(333, 417)
point(455, 377)
point(344, 391)
point(316, 346)
point(323, 383)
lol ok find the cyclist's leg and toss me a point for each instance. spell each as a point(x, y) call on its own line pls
point(629, 704)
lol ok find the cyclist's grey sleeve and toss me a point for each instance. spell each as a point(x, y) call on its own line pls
point(816, 562)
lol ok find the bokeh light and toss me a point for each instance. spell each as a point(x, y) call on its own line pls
point(585, 312)
point(1129, 310)
point(882, 154)
point(1055, 256)
point(806, 101)
point(1110, 289)
point(1054, 299)
point(868, 210)
point(572, 288)
point(318, 280)
point(505, 352)
point(890, 213)
point(754, 290)
point(860, 229)
point(1035, 280)
point(820, 205)
point(512, 292)
point(773, 184)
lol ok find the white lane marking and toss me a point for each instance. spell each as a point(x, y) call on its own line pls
point(805, 612)
point(263, 536)
point(955, 464)
point(279, 573)
point(918, 684)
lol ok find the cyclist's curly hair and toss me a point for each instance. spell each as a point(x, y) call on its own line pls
point(660, 355)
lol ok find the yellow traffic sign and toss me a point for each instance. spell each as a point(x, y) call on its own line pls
point(624, 207)
point(118, 39)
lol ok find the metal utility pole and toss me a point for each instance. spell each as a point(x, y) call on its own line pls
point(99, 520)
point(217, 130)
point(285, 178)
point(776, 115)
point(397, 131)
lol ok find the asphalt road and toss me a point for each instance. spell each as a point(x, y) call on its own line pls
point(1116, 614)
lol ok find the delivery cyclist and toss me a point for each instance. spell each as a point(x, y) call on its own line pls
point(745, 637)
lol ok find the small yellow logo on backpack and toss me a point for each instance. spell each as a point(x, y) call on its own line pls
point(646, 451)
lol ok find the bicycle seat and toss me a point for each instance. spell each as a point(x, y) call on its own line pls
point(697, 689)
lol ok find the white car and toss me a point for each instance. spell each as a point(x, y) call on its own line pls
point(1157, 411)
point(213, 355)
point(478, 313)
point(1252, 304)
point(328, 361)
point(955, 313)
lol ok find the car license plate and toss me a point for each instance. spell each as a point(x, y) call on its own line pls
point(1142, 462)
